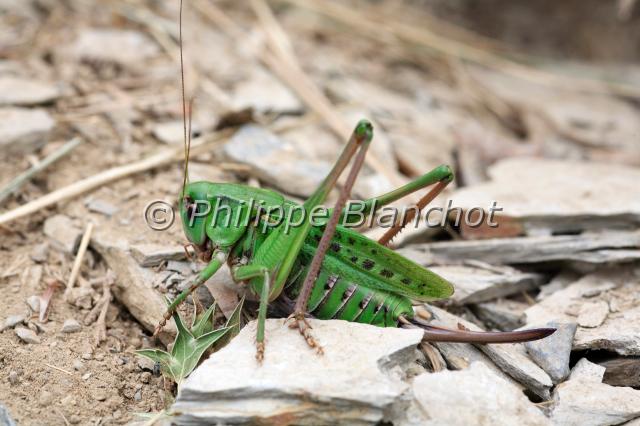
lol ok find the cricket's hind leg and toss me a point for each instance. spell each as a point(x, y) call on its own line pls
point(361, 138)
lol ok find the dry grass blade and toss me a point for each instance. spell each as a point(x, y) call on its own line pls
point(104, 178)
point(20, 180)
point(379, 28)
point(75, 270)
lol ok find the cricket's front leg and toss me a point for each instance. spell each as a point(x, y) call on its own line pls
point(247, 272)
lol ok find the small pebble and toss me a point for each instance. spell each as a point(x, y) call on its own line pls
point(138, 395)
point(145, 377)
point(86, 356)
point(116, 414)
point(71, 326)
point(146, 364)
point(78, 365)
point(45, 399)
point(86, 376)
point(74, 419)
point(34, 303)
point(100, 395)
point(26, 335)
point(40, 253)
point(12, 321)
point(99, 357)
point(13, 377)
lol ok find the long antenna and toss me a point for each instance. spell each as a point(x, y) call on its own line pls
point(187, 141)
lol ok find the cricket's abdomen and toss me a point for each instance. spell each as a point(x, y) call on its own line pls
point(340, 292)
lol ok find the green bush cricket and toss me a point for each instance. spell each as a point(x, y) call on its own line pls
point(330, 270)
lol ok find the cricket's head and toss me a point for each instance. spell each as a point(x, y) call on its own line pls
point(194, 205)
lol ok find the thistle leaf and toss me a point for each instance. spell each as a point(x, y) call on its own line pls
point(203, 323)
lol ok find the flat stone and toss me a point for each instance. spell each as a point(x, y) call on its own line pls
point(475, 396)
point(13, 320)
point(593, 314)
point(511, 358)
point(103, 207)
point(23, 130)
point(275, 161)
point(149, 255)
point(587, 371)
point(480, 283)
point(25, 92)
point(620, 331)
point(559, 196)
point(503, 314)
point(356, 381)
point(64, 234)
point(40, 253)
point(263, 92)
point(172, 132)
point(123, 47)
point(71, 326)
point(582, 400)
point(590, 248)
point(27, 335)
point(552, 354)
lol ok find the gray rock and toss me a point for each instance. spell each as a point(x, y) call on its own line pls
point(13, 320)
point(25, 92)
point(123, 47)
point(27, 335)
point(13, 377)
point(100, 206)
point(5, 417)
point(553, 352)
point(503, 314)
point(511, 358)
point(22, 130)
point(593, 314)
point(154, 254)
point(275, 161)
point(34, 303)
point(587, 371)
point(560, 195)
point(40, 253)
point(620, 331)
point(183, 268)
point(356, 381)
point(479, 283)
point(584, 401)
point(71, 326)
point(475, 396)
point(63, 233)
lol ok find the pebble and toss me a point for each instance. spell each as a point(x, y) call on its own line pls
point(23, 130)
point(26, 335)
point(63, 232)
point(12, 321)
point(146, 364)
point(45, 398)
point(102, 207)
point(100, 395)
point(13, 377)
point(552, 353)
point(78, 365)
point(86, 376)
point(86, 356)
point(23, 91)
point(34, 303)
point(138, 395)
point(40, 253)
point(74, 419)
point(71, 326)
point(123, 47)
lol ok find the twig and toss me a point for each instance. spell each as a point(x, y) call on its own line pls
point(17, 183)
point(66, 422)
point(101, 326)
point(59, 369)
point(380, 30)
point(104, 178)
point(45, 299)
point(75, 270)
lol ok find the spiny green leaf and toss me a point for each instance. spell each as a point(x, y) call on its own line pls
point(234, 323)
point(203, 323)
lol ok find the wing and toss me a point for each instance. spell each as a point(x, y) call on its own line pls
point(379, 267)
